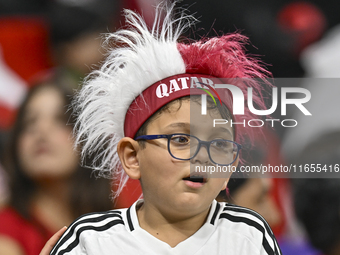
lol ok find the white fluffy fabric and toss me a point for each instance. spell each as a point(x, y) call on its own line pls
point(137, 58)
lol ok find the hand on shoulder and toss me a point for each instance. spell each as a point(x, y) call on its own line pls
point(53, 240)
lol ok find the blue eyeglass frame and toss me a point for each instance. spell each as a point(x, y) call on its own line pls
point(206, 144)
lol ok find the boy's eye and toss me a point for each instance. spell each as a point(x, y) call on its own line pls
point(180, 139)
point(222, 144)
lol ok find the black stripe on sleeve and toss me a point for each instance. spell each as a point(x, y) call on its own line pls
point(71, 228)
point(72, 245)
point(128, 216)
point(251, 223)
point(236, 208)
point(212, 221)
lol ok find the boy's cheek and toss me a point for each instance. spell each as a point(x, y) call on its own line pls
point(225, 184)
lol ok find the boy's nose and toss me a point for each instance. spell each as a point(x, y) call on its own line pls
point(202, 156)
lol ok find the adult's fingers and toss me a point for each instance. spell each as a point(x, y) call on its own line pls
point(53, 240)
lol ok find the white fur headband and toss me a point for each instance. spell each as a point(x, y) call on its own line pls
point(102, 103)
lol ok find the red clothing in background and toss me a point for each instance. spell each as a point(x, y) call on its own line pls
point(30, 235)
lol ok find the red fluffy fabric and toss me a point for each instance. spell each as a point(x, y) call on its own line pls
point(225, 57)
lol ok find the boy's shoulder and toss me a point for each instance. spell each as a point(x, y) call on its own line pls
point(98, 220)
point(238, 214)
point(245, 222)
point(97, 223)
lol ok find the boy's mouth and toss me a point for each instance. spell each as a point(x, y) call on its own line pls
point(195, 178)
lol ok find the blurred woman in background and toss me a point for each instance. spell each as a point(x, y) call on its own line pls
point(48, 188)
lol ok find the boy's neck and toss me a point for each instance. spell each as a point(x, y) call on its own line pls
point(171, 230)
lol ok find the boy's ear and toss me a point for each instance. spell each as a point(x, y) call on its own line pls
point(127, 149)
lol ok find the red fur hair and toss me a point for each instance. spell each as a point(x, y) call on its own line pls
point(225, 57)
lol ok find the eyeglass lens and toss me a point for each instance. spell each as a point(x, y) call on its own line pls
point(185, 147)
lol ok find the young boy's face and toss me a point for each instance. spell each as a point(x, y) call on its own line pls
point(162, 176)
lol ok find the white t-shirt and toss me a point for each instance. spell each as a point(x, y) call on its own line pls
point(229, 229)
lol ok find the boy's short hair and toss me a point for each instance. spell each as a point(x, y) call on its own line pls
point(115, 99)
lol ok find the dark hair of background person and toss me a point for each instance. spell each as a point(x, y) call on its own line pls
point(70, 22)
point(86, 195)
point(317, 201)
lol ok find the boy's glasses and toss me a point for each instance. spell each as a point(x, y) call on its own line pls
point(186, 147)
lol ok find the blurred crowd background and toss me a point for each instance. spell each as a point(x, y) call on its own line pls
point(47, 47)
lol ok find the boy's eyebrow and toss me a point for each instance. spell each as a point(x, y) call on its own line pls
point(179, 124)
point(188, 125)
point(223, 129)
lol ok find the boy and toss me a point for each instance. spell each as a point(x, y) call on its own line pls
point(141, 115)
